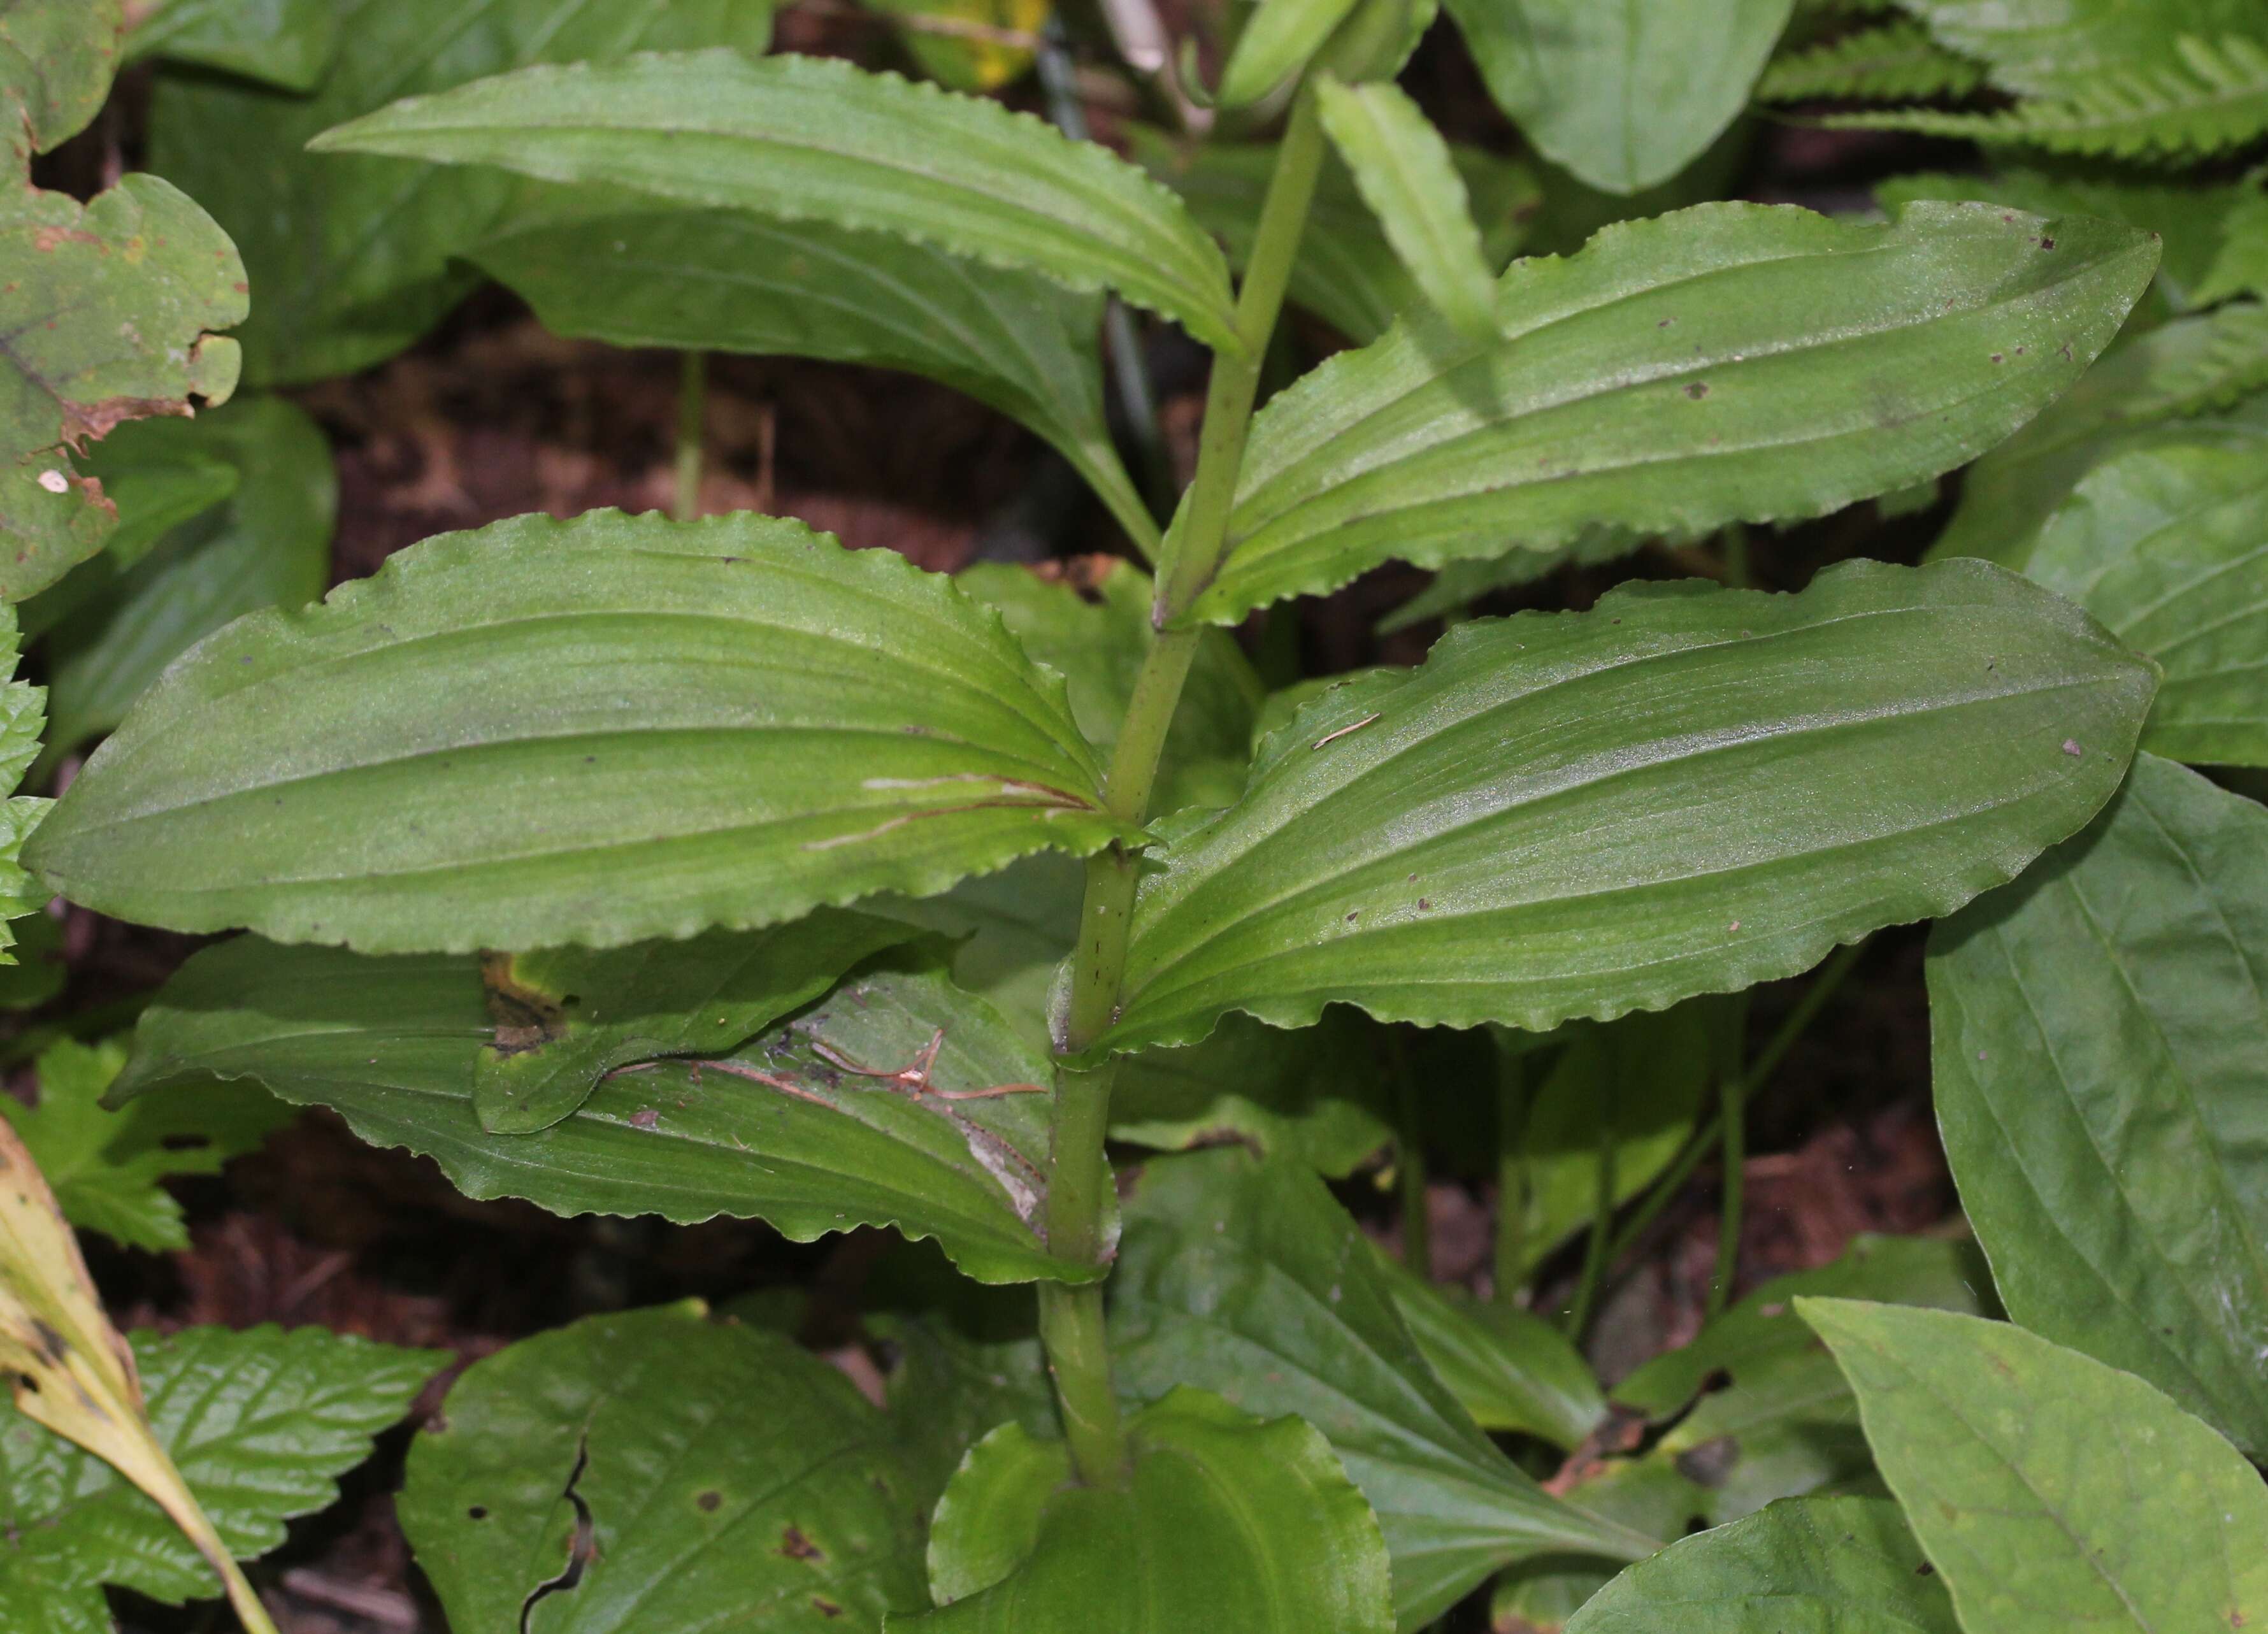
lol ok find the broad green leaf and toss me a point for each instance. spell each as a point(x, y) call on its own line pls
point(2169, 547)
point(1246, 1278)
point(815, 139)
point(1345, 272)
point(56, 58)
point(259, 1423)
point(1276, 43)
point(728, 1479)
point(1539, 1596)
point(1728, 362)
point(1225, 1522)
point(1850, 1564)
point(1624, 94)
point(2051, 1492)
point(1888, 62)
point(105, 1166)
point(1404, 172)
point(355, 258)
point(728, 281)
point(1509, 1368)
point(781, 1130)
point(269, 544)
point(440, 756)
point(159, 474)
point(1683, 791)
point(279, 42)
point(1310, 1097)
point(2103, 1096)
point(1010, 930)
point(109, 305)
point(565, 1018)
point(1458, 584)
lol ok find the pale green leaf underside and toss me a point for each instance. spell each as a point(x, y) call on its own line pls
point(1684, 790)
point(811, 138)
point(590, 731)
point(731, 1480)
point(2051, 1492)
point(1225, 1522)
point(778, 1131)
point(1727, 363)
point(2169, 547)
point(2103, 1097)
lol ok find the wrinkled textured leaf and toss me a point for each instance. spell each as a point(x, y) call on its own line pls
point(1624, 94)
point(1509, 1368)
point(812, 138)
point(56, 57)
point(2169, 547)
point(105, 1166)
point(1225, 1522)
point(2051, 1492)
point(1728, 362)
point(1846, 1564)
point(2103, 1097)
point(260, 1424)
point(730, 1480)
point(269, 544)
point(279, 42)
point(1683, 791)
point(108, 306)
point(466, 750)
point(779, 1131)
point(352, 256)
point(1247, 1279)
point(727, 280)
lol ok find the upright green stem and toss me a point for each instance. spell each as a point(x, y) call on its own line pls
point(1734, 1083)
point(692, 403)
point(1510, 1173)
point(1595, 1257)
point(1072, 1318)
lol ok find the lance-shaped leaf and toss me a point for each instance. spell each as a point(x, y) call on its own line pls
point(259, 1423)
point(1728, 362)
point(108, 306)
point(1225, 1522)
point(727, 1478)
point(2103, 1096)
point(2169, 549)
point(588, 731)
point(2049, 1490)
point(1510, 1368)
point(1246, 1278)
point(810, 138)
point(1275, 43)
point(728, 281)
point(1683, 791)
point(1622, 92)
point(1403, 169)
point(56, 58)
point(854, 1113)
point(1846, 1564)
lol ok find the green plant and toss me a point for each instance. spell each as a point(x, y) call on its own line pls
point(649, 865)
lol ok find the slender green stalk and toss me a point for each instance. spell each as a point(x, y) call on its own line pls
point(1595, 1257)
point(1409, 1176)
point(1734, 1083)
point(1512, 1174)
point(692, 401)
point(1072, 1318)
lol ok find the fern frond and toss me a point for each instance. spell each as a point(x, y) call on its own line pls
point(2217, 98)
point(1889, 63)
point(2223, 358)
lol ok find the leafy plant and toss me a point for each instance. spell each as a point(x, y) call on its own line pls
point(689, 867)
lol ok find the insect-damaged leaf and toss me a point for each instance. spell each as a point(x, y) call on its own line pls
point(1727, 363)
point(1684, 790)
point(659, 1471)
point(1225, 1521)
point(589, 732)
point(2103, 1094)
point(853, 1113)
point(811, 138)
point(2053, 1492)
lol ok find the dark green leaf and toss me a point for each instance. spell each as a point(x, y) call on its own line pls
point(1509, 1368)
point(2168, 547)
point(465, 751)
point(2101, 1087)
point(783, 1130)
point(280, 42)
point(1683, 791)
point(1010, 930)
point(1458, 584)
point(159, 474)
point(814, 138)
point(2051, 1492)
point(1728, 362)
point(728, 1479)
point(259, 1423)
point(1247, 1279)
point(1624, 94)
point(1645, 1495)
